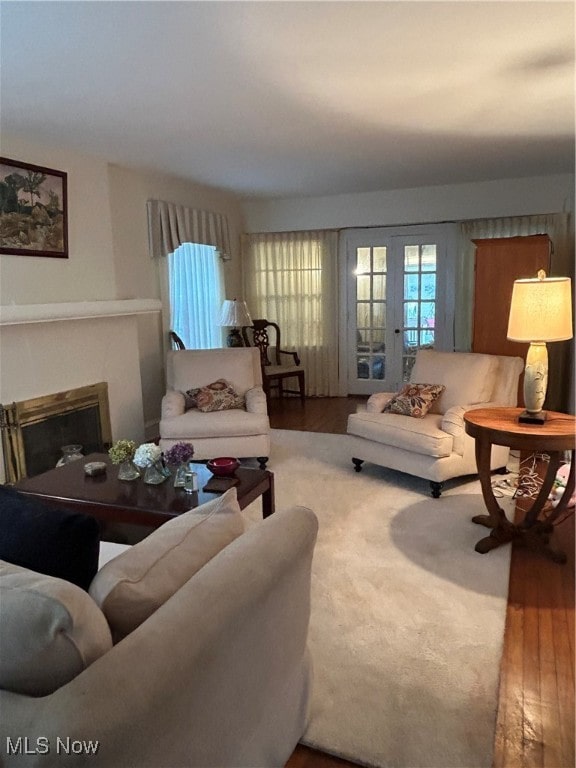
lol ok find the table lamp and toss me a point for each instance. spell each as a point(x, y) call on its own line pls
point(540, 311)
point(234, 314)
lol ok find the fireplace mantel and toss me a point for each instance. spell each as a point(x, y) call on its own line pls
point(19, 314)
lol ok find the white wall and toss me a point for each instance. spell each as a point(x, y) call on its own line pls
point(108, 254)
point(459, 202)
point(42, 358)
point(88, 273)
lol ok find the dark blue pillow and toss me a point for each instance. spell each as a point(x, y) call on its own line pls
point(48, 540)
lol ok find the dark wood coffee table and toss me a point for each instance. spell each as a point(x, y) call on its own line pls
point(133, 501)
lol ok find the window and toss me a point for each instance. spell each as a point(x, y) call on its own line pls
point(196, 288)
point(291, 278)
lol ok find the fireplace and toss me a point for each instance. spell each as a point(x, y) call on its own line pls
point(34, 430)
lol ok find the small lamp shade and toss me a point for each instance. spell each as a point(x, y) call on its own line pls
point(234, 314)
point(541, 310)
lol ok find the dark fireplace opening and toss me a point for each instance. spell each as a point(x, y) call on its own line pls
point(34, 431)
point(43, 441)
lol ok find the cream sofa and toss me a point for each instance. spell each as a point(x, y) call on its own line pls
point(239, 432)
point(218, 675)
point(436, 447)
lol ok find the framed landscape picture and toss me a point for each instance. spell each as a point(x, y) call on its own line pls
point(33, 210)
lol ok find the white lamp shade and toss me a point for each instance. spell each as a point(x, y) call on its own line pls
point(234, 314)
point(541, 310)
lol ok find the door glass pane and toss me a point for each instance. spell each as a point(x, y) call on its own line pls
point(363, 371)
point(379, 287)
point(428, 286)
point(378, 311)
point(363, 287)
point(411, 258)
point(362, 261)
point(411, 283)
point(379, 340)
point(363, 315)
point(410, 314)
point(428, 258)
point(379, 259)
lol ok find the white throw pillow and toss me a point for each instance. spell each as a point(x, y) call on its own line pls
point(469, 377)
point(50, 630)
point(137, 582)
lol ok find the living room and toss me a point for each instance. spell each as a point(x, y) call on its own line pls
point(98, 315)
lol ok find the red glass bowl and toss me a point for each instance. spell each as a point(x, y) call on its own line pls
point(223, 466)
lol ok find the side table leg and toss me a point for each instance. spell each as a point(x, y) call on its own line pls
point(503, 530)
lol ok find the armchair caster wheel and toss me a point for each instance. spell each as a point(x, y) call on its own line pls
point(435, 489)
point(357, 464)
point(262, 461)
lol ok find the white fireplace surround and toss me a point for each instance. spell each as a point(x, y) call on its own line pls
point(49, 348)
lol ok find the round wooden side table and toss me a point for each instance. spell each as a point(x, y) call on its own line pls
point(500, 426)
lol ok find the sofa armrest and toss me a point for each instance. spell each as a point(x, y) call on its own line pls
point(218, 676)
point(173, 404)
point(256, 401)
point(453, 423)
point(376, 402)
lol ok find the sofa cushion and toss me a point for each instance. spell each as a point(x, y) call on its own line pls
point(416, 435)
point(53, 541)
point(414, 400)
point(469, 377)
point(50, 630)
point(134, 584)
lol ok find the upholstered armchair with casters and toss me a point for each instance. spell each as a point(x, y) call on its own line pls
point(242, 432)
point(265, 335)
point(435, 446)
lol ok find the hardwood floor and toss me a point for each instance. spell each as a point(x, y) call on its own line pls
point(535, 721)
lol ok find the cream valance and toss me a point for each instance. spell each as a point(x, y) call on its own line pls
point(170, 225)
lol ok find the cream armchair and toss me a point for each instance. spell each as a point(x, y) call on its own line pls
point(237, 432)
point(436, 447)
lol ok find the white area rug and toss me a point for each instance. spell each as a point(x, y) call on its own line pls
point(407, 619)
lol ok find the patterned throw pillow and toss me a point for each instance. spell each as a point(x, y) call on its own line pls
point(414, 399)
point(221, 385)
point(218, 396)
point(190, 398)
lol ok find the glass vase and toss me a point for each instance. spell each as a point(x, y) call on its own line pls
point(70, 453)
point(154, 474)
point(180, 475)
point(128, 470)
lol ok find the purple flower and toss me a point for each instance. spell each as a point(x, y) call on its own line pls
point(179, 454)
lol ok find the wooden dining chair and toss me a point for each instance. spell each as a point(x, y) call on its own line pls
point(177, 342)
point(265, 334)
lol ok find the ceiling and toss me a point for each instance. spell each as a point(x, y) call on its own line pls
point(273, 98)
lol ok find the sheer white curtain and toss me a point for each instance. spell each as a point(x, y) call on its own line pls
point(292, 279)
point(196, 291)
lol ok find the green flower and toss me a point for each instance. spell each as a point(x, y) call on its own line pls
point(121, 451)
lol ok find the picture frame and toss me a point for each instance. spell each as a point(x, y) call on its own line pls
point(33, 210)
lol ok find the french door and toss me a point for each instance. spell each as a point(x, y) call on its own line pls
point(397, 301)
